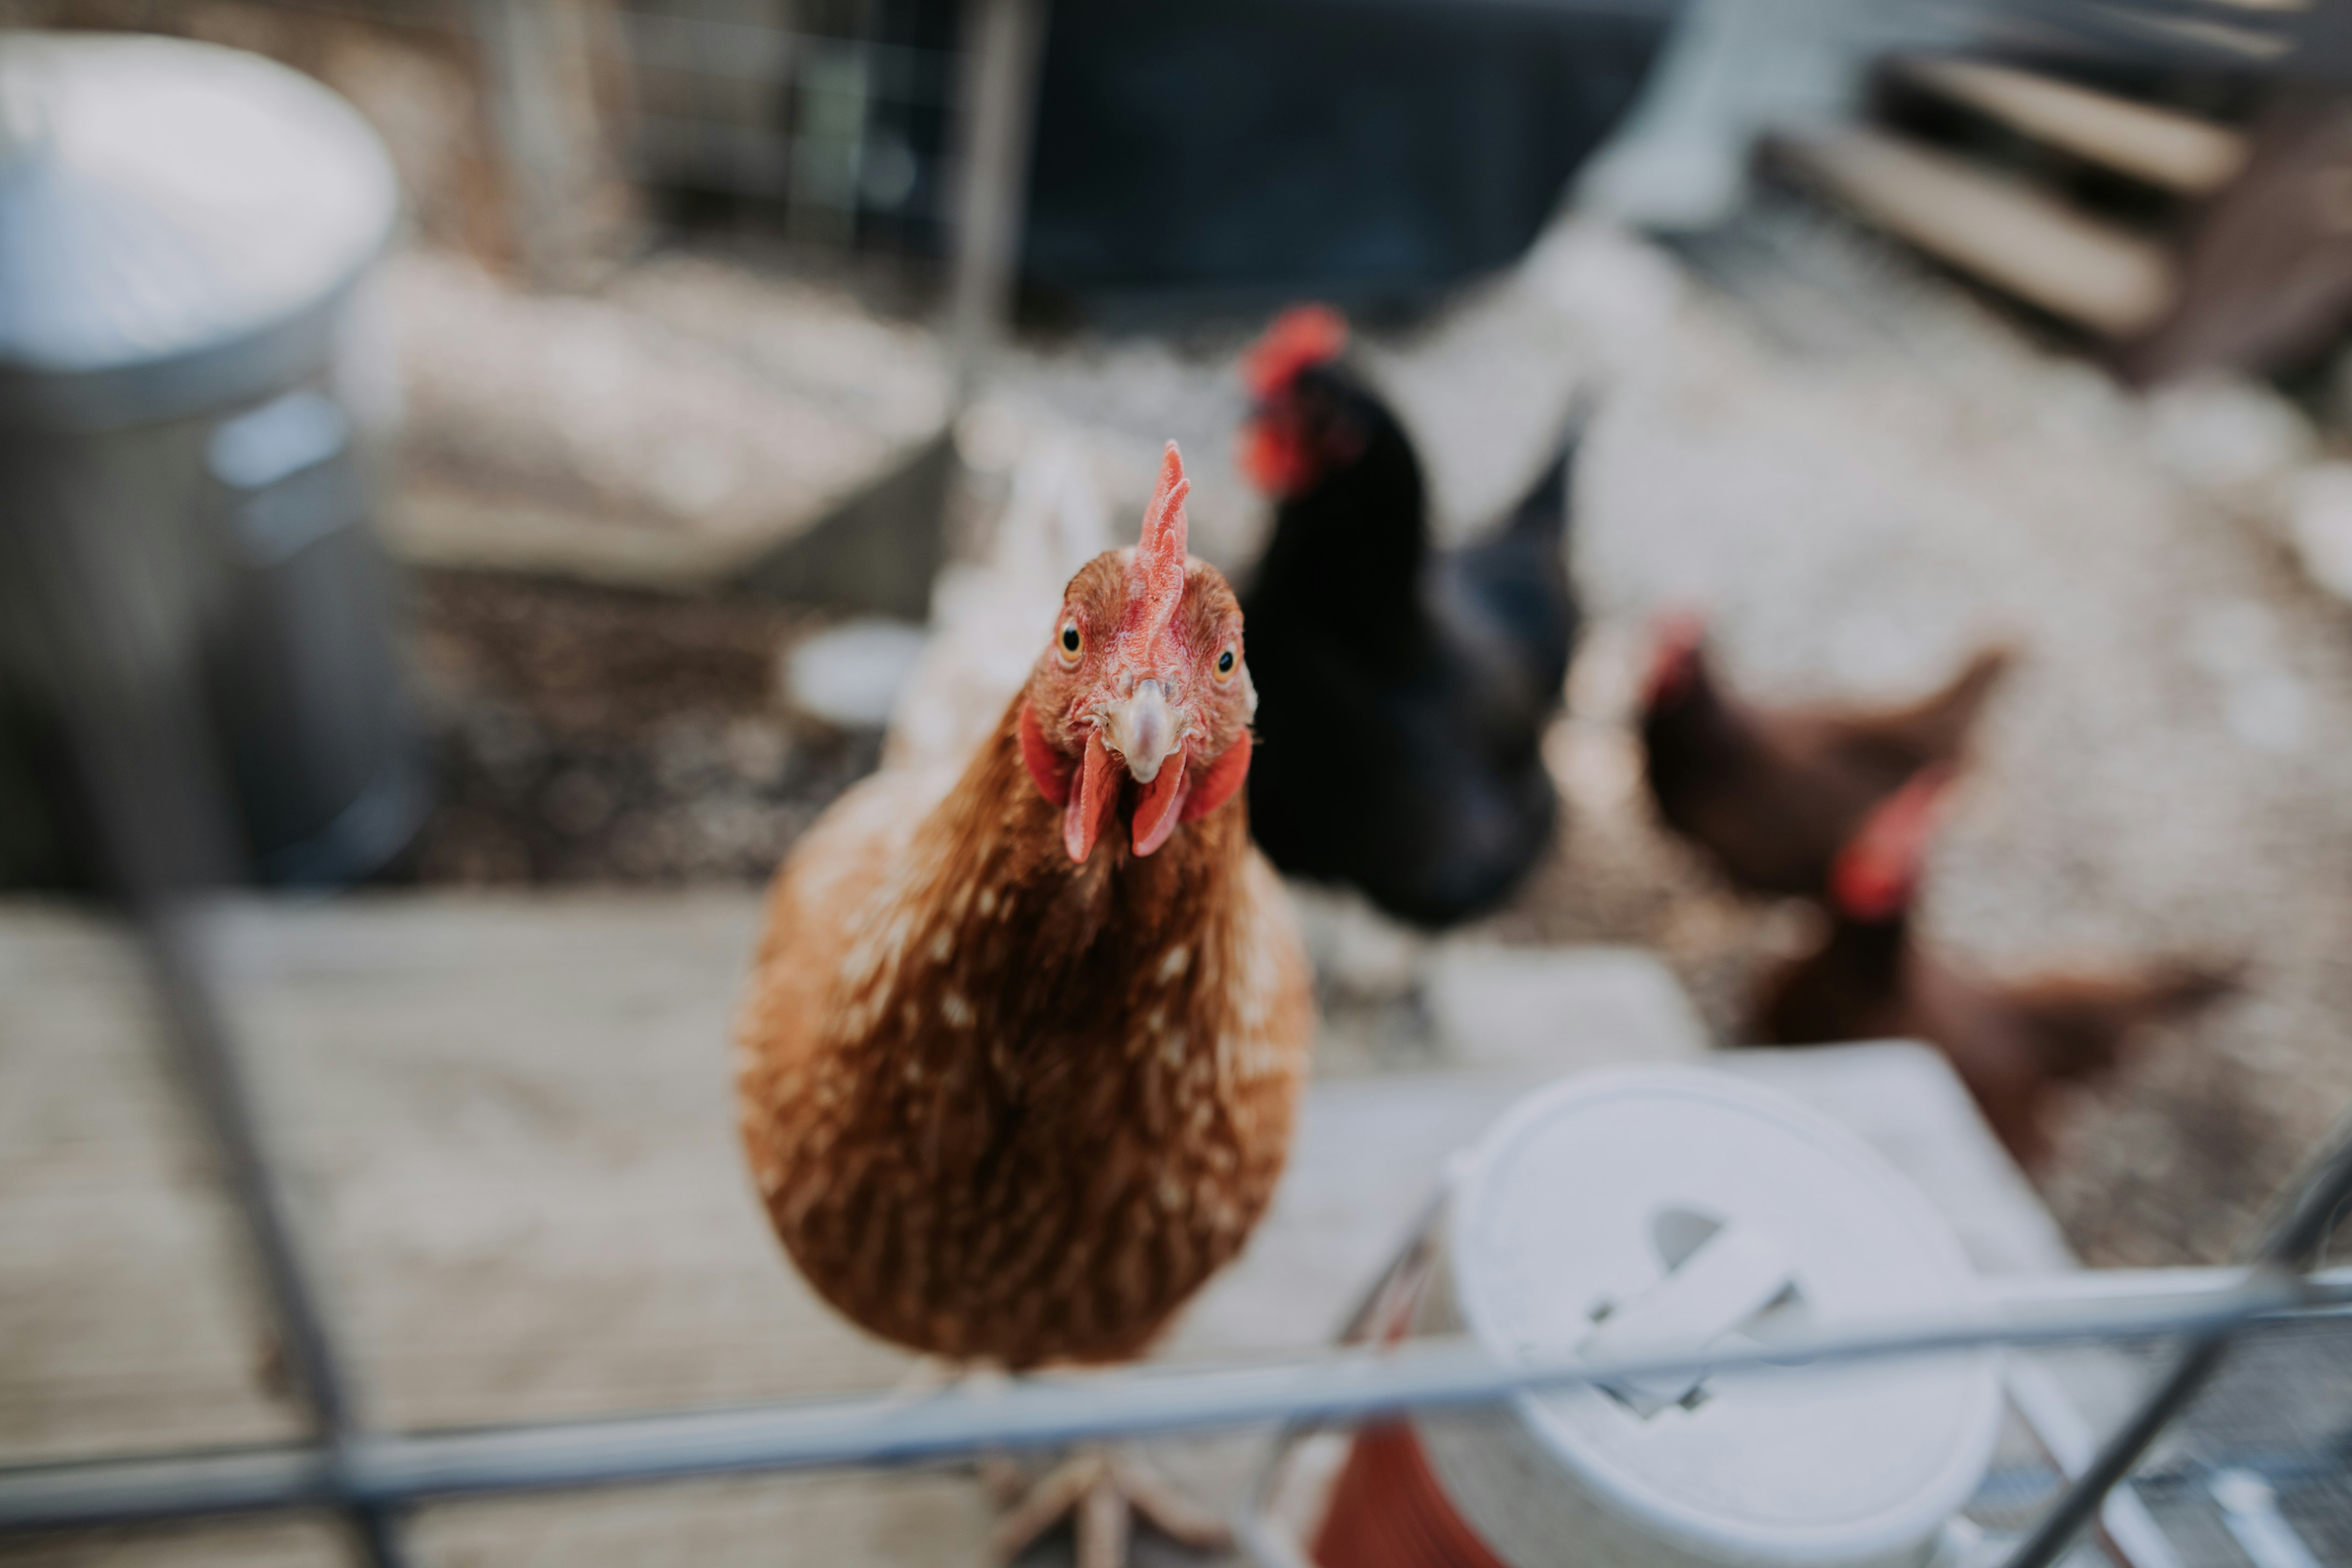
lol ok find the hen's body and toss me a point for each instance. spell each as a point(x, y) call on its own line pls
point(1009, 1102)
point(1773, 794)
point(2011, 1044)
point(1873, 978)
point(1432, 675)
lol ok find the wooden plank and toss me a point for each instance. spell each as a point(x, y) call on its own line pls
point(125, 1320)
point(510, 1121)
point(2162, 146)
point(1547, 1011)
point(1998, 229)
point(292, 1543)
point(928, 1519)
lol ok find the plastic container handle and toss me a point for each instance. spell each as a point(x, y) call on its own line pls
point(1731, 1278)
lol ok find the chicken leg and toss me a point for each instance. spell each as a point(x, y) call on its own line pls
point(1102, 1491)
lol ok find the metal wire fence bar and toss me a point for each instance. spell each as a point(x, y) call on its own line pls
point(307, 1342)
point(383, 1470)
point(145, 768)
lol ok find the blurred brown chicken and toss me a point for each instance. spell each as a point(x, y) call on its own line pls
point(1872, 978)
point(1772, 794)
point(1023, 1039)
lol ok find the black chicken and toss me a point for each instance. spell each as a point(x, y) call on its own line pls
point(1403, 691)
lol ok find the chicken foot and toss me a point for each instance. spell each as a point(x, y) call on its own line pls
point(999, 1475)
point(1102, 1491)
point(1099, 1489)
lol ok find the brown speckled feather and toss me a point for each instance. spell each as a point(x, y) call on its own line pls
point(1002, 1106)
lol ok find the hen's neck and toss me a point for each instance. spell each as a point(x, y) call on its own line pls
point(1024, 922)
point(1868, 952)
point(1695, 729)
point(1350, 552)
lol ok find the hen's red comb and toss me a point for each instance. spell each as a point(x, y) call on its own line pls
point(1301, 337)
point(1155, 577)
point(1877, 871)
point(1677, 638)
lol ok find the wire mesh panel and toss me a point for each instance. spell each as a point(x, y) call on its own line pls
point(2021, 1481)
point(542, 135)
point(2260, 1466)
point(831, 122)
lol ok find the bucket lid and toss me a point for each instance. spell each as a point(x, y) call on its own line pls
point(167, 210)
point(1636, 1212)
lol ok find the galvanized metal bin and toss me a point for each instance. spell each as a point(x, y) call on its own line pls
point(190, 396)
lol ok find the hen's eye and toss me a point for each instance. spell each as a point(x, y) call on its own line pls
point(1225, 665)
point(1071, 641)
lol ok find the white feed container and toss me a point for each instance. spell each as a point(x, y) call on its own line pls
point(1630, 1211)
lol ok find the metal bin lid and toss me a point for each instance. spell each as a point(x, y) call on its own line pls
point(178, 223)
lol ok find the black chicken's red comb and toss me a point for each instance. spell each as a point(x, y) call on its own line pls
point(1300, 338)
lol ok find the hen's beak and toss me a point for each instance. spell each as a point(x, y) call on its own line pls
point(1141, 731)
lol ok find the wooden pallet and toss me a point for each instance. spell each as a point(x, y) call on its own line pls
point(2250, 267)
point(1992, 226)
point(2174, 151)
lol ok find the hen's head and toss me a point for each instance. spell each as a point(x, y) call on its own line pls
point(1875, 875)
point(1141, 699)
point(1678, 669)
point(1302, 424)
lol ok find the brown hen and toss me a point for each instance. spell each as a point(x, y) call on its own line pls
point(2012, 1045)
point(1772, 794)
point(1023, 1044)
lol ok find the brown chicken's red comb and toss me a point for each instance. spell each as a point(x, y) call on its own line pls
point(1676, 638)
point(1301, 337)
point(1878, 870)
point(1155, 577)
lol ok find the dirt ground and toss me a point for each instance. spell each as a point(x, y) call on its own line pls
point(594, 735)
point(1861, 472)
